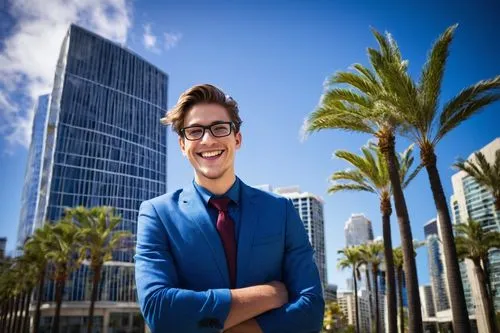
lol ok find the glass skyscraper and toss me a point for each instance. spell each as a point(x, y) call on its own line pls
point(436, 266)
point(102, 145)
point(32, 176)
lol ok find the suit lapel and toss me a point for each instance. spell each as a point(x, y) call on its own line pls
point(248, 220)
point(193, 207)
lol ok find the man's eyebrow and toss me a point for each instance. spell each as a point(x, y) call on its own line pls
point(212, 123)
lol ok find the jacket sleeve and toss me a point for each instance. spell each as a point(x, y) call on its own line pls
point(304, 312)
point(165, 307)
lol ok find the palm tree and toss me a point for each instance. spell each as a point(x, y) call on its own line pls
point(365, 261)
point(373, 254)
point(484, 173)
point(425, 123)
point(370, 175)
point(398, 265)
point(334, 318)
point(35, 250)
point(475, 243)
point(63, 255)
point(366, 105)
point(99, 240)
point(351, 258)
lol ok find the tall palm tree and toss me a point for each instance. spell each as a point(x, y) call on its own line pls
point(365, 261)
point(426, 123)
point(484, 173)
point(398, 265)
point(99, 239)
point(373, 254)
point(474, 243)
point(35, 250)
point(370, 175)
point(364, 103)
point(63, 255)
point(351, 258)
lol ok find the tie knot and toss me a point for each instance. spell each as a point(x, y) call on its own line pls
point(220, 203)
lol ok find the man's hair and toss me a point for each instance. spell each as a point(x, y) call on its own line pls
point(201, 94)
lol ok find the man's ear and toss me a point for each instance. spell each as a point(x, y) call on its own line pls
point(182, 145)
point(238, 139)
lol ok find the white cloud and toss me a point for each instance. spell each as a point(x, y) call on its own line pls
point(172, 39)
point(149, 39)
point(29, 55)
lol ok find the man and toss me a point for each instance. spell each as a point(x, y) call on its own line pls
point(219, 255)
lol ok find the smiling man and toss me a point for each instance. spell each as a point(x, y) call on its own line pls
point(218, 255)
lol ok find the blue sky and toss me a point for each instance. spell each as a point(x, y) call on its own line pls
point(272, 57)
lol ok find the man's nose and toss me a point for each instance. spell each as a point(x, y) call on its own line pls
point(207, 137)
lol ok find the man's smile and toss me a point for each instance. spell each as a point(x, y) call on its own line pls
point(211, 155)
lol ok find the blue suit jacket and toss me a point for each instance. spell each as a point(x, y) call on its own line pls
point(181, 272)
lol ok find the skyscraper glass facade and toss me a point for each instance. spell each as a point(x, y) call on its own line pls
point(436, 267)
point(103, 145)
point(32, 175)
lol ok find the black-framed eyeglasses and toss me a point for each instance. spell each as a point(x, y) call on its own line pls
point(218, 130)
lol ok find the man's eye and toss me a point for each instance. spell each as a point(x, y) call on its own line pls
point(194, 131)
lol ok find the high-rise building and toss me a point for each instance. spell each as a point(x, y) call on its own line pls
point(346, 301)
point(331, 293)
point(358, 230)
point(32, 175)
point(472, 201)
point(427, 301)
point(3, 245)
point(436, 266)
point(310, 209)
point(102, 144)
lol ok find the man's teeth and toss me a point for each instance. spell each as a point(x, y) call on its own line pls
point(211, 153)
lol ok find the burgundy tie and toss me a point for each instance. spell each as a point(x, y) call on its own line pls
point(225, 227)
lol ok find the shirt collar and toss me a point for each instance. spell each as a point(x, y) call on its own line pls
point(233, 193)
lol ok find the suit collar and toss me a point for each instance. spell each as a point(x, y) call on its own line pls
point(194, 207)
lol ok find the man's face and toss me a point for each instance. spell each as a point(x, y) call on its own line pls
point(211, 157)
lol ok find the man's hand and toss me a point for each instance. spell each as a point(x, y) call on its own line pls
point(249, 326)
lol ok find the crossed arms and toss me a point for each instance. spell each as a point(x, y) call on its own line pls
point(267, 308)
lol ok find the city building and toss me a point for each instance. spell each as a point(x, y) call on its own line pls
point(331, 293)
point(427, 301)
point(310, 209)
point(472, 201)
point(358, 230)
point(436, 266)
point(346, 301)
point(102, 144)
point(32, 174)
point(3, 246)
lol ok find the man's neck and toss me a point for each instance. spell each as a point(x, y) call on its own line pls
point(217, 186)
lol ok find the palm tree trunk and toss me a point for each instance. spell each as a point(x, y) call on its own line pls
point(377, 311)
point(457, 296)
point(16, 313)
point(483, 290)
point(95, 288)
point(385, 207)
point(60, 282)
point(387, 147)
point(10, 314)
point(41, 283)
point(356, 299)
point(25, 326)
point(3, 322)
point(400, 301)
point(370, 298)
point(20, 317)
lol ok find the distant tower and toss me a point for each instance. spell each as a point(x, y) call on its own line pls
point(436, 266)
point(358, 230)
point(426, 298)
point(310, 209)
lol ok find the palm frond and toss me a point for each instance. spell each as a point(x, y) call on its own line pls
point(432, 77)
point(467, 103)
